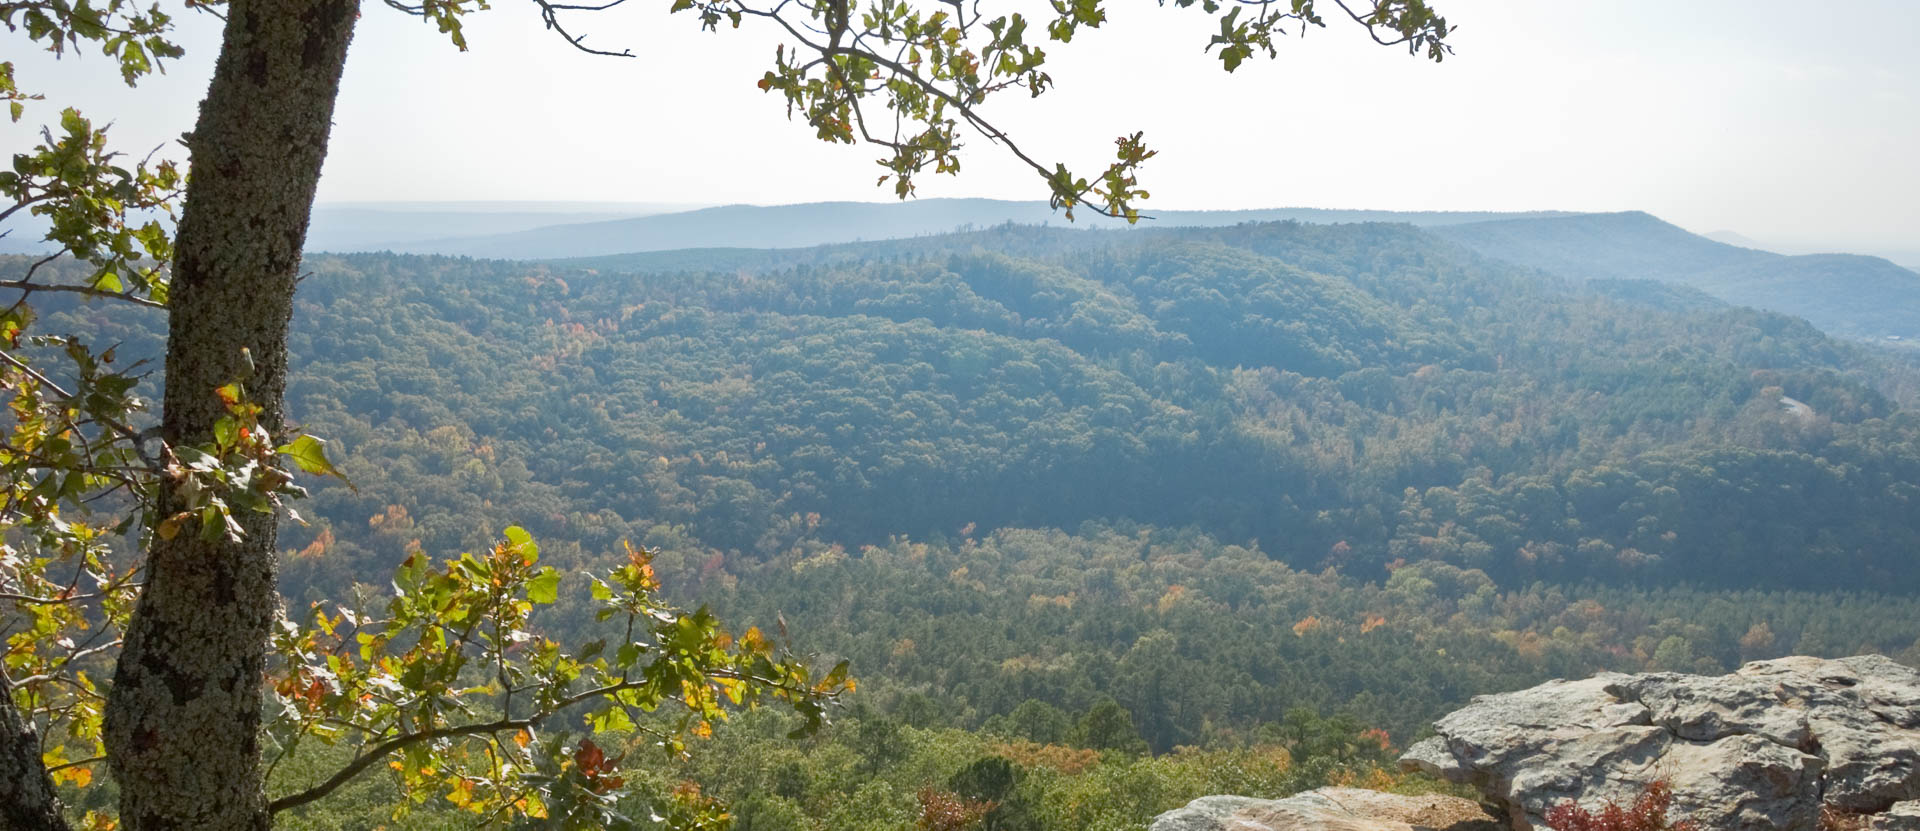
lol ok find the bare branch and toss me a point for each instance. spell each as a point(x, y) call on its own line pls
point(87, 290)
point(44, 380)
point(61, 767)
point(550, 13)
point(24, 203)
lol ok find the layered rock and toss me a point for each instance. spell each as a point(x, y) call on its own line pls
point(1761, 748)
point(1328, 809)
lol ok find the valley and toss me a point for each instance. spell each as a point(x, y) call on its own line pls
point(1224, 479)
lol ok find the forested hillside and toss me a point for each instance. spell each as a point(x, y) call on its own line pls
point(1233, 482)
point(1843, 294)
point(1359, 389)
point(1348, 395)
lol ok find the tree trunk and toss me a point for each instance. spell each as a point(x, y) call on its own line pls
point(27, 800)
point(184, 712)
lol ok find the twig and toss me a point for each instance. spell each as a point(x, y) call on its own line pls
point(89, 291)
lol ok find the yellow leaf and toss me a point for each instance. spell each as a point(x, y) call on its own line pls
point(462, 793)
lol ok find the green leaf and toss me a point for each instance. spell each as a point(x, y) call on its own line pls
point(520, 539)
point(627, 655)
point(226, 431)
point(613, 719)
point(198, 459)
point(311, 455)
point(837, 675)
point(217, 522)
point(544, 587)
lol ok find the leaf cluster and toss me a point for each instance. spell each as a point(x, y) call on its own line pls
point(92, 205)
point(238, 471)
point(136, 38)
point(452, 688)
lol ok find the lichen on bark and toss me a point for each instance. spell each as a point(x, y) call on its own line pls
point(184, 709)
point(27, 798)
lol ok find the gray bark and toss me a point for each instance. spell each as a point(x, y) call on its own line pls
point(27, 799)
point(184, 711)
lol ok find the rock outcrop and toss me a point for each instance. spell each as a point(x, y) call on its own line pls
point(1761, 748)
point(1328, 809)
point(1903, 816)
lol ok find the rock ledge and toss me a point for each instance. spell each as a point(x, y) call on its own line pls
point(1328, 809)
point(1760, 748)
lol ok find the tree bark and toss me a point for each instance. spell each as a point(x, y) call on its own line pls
point(184, 711)
point(27, 799)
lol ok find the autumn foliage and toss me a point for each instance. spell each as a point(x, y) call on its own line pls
point(946, 811)
point(1649, 813)
point(1071, 761)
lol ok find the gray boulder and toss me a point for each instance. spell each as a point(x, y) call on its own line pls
point(1756, 749)
point(1328, 809)
point(1903, 816)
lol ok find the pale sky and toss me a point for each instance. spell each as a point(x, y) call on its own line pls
point(1792, 123)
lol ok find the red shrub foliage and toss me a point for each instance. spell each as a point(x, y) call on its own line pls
point(1649, 813)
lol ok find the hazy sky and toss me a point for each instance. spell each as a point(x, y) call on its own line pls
point(1788, 122)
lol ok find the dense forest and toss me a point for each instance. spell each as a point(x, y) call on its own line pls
point(1271, 496)
point(1351, 396)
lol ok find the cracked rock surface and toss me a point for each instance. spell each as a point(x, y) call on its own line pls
point(1328, 809)
point(1760, 748)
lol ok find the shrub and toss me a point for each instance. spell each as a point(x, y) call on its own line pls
point(1649, 813)
point(947, 811)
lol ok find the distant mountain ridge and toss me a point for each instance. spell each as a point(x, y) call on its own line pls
point(1855, 296)
point(374, 227)
point(821, 223)
point(1737, 239)
point(1844, 294)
